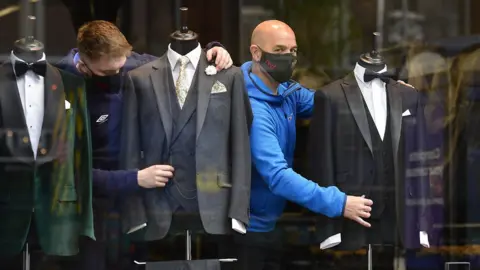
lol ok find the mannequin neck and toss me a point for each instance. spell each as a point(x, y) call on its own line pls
point(28, 49)
point(29, 57)
point(372, 67)
point(183, 47)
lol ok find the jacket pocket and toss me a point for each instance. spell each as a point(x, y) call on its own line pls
point(223, 181)
point(68, 194)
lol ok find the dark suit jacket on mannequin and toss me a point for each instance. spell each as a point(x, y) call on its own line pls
point(222, 152)
point(341, 153)
point(57, 185)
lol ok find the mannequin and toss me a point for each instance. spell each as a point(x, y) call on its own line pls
point(45, 139)
point(359, 148)
point(198, 120)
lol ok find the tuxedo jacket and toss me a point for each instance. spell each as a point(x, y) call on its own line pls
point(222, 154)
point(55, 188)
point(341, 154)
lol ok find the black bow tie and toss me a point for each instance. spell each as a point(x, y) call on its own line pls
point(40, 68)
point(370, 75)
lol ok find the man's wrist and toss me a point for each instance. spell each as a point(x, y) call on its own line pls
point(139, 176)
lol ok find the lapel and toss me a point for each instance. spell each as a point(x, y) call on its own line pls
point(160, 79)
point(205, 83)
point(355, 102)
point(395, 100)
point(54, 125)
point(13, 117)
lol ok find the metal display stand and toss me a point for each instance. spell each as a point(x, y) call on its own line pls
point(370, 262)
point(26, 258)
point(188, 253)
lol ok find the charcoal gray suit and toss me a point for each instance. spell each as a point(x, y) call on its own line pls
point(207, 142)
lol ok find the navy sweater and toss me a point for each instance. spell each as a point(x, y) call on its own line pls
point(105, 109)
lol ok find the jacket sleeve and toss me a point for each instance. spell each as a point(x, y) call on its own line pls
point(240, 151)
point(83, 163)
point(213, 44)
point(321, 157)
point(281, 179)
point(304, 102)
point(115, 183)
point(132, 209)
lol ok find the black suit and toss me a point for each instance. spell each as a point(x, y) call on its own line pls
point(345, 152)
point(218, 152)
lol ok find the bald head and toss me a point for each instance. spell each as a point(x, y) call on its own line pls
point(274, 37)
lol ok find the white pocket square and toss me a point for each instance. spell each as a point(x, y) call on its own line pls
point(406, 113)
point(67, 105)
point(218, 87)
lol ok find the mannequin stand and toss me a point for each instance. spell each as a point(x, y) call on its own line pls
point(26, 258)
point(370, 266)
point(188, 257)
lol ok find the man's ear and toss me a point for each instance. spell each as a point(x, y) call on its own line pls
point(256, 53)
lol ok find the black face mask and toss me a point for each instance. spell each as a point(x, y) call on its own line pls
point(110, 83)
point(278, 66)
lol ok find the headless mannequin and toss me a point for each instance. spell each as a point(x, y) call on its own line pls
point(29, 50)
point(372, 61)
point(183, 42)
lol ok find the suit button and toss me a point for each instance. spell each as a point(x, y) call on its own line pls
point(43, 151)
point(371, 172)
point(410, 192)
point(9, 133)
point(25, 139)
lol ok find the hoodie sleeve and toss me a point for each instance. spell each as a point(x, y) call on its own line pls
point(114, 183)
point(304, 102)
point(268, 159)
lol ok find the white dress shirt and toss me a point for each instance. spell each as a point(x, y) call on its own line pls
point(193, 56)
point(31, 90)
point(375, 95)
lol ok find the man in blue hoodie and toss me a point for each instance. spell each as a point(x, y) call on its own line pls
point(276, 103)
point(104, 57)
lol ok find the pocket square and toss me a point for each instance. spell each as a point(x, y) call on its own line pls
point(67, 105)
point(406, 113)
point(218, 87)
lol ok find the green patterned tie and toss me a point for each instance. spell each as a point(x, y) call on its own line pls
point(181, 85)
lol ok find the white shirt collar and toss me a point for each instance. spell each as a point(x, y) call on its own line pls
point(14, 58)
point(359, 72)
point(193, 56)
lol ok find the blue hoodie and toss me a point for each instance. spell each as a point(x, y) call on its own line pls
point(272, 140)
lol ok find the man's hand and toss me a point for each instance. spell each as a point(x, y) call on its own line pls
point(406, 84)
point(155, 176)
point(358, 208)
point(222, 60)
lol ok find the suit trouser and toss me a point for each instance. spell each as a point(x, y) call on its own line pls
point(258, 251)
